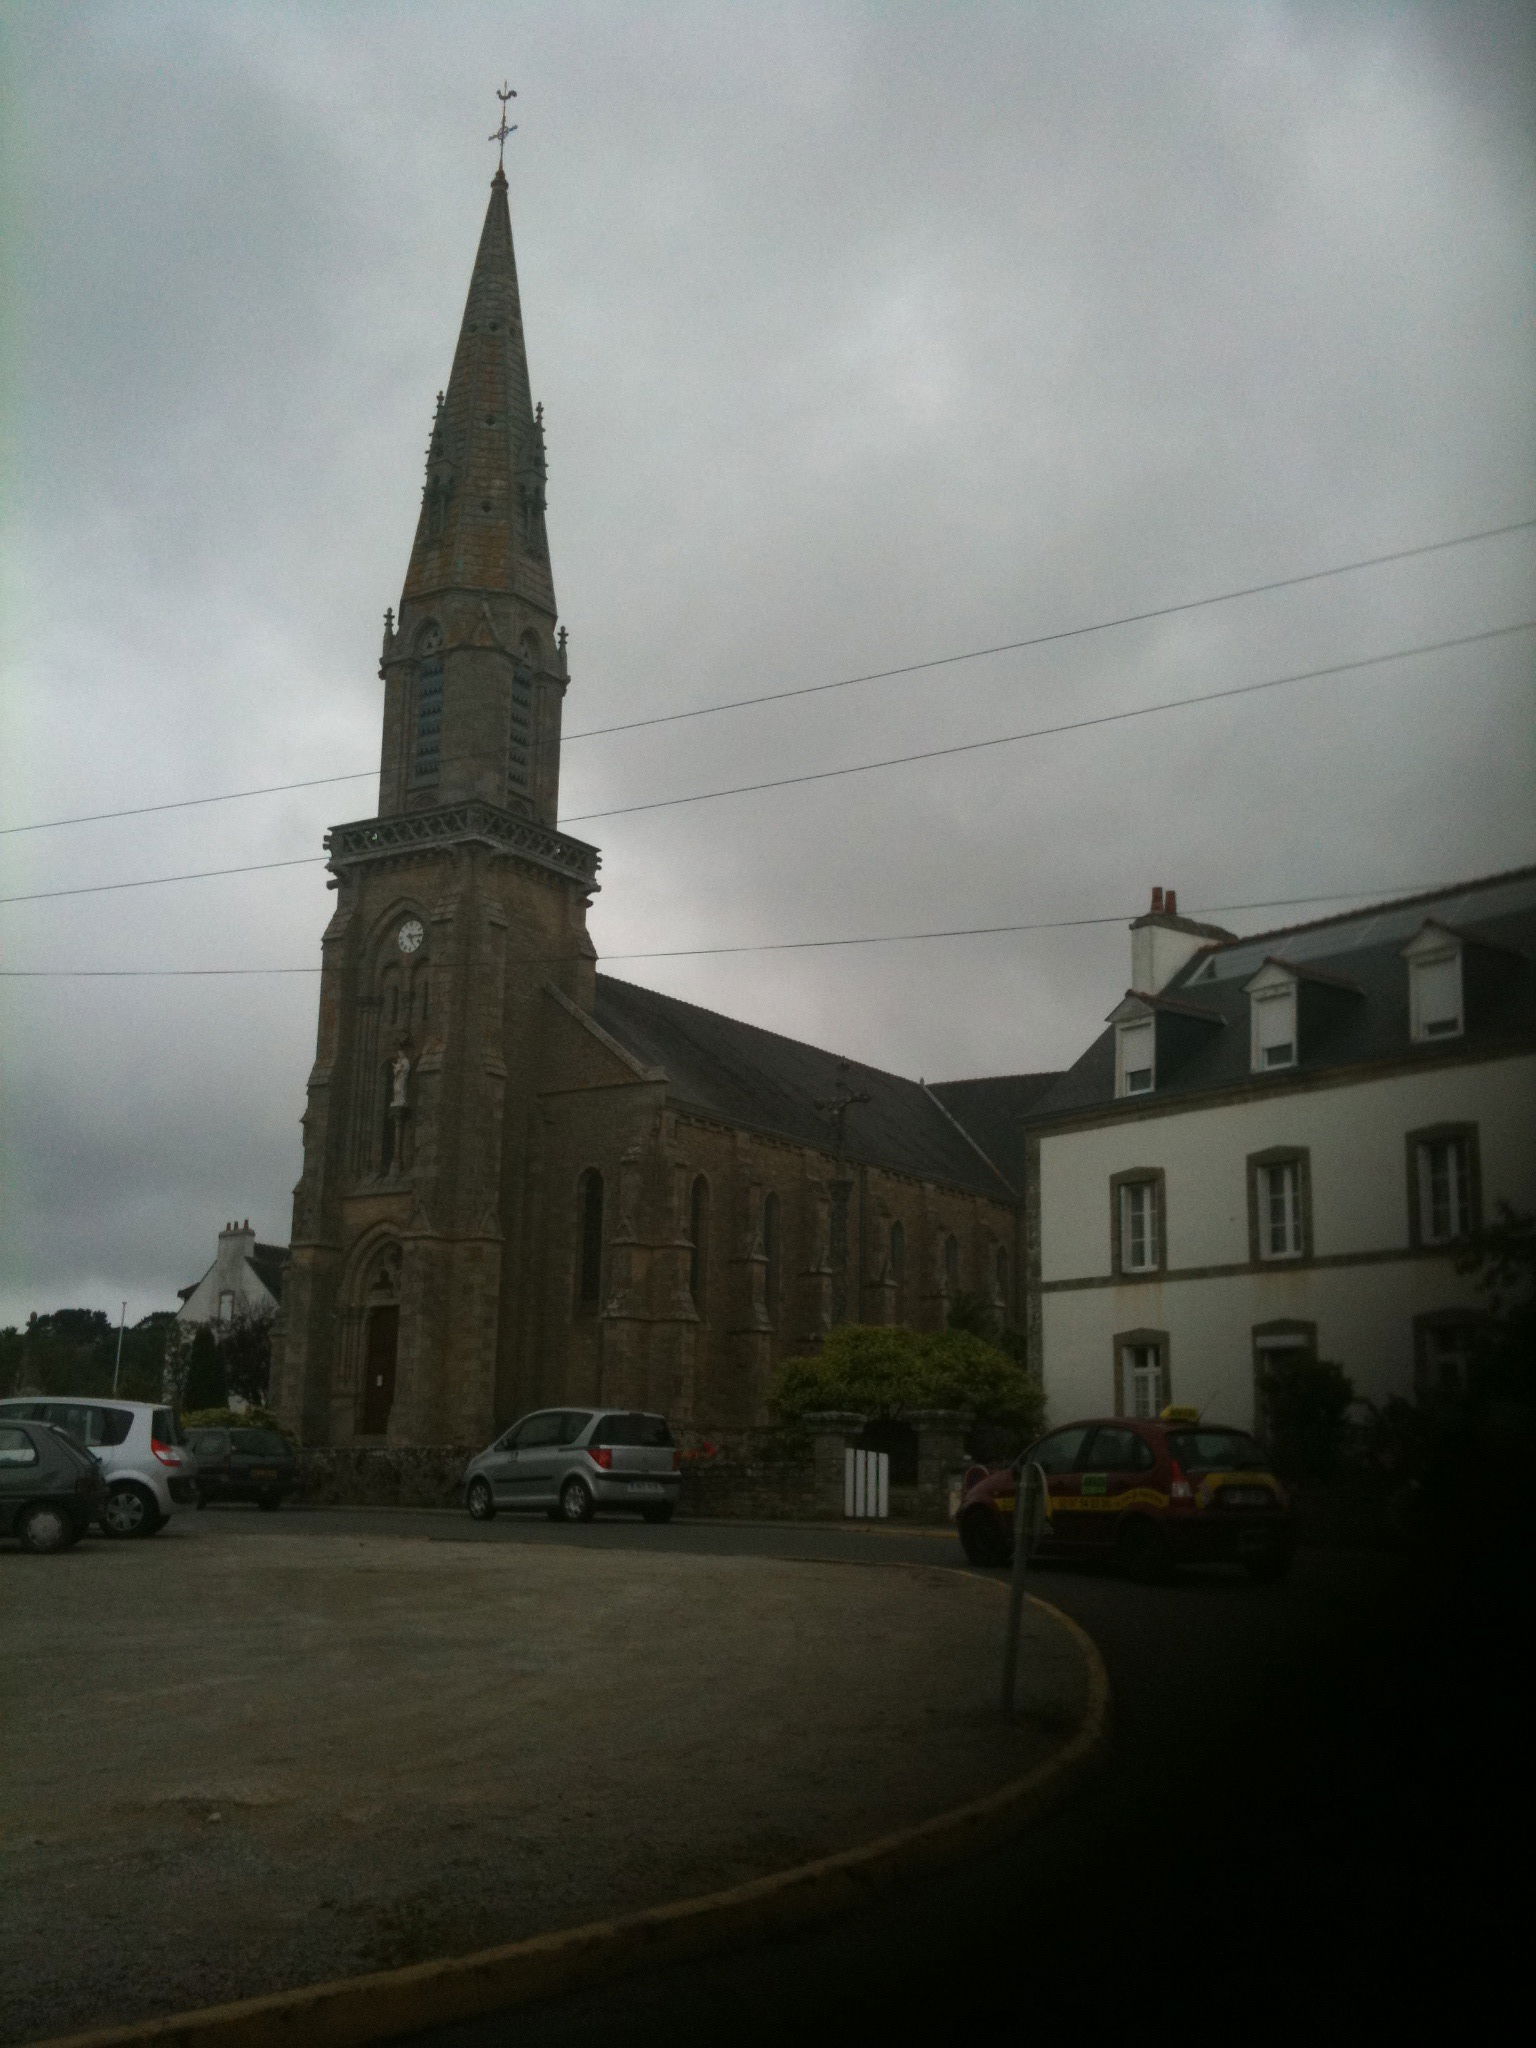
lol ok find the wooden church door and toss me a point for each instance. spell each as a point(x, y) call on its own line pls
point(379, 1369)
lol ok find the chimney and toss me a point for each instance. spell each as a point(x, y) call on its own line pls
point(1162, 942)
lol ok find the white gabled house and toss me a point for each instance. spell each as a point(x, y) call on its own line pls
point(245, 1279)
point(1282, 1141)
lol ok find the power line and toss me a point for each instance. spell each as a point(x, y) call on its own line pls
point(309, 860)
point(1045, 731)
point(976, 931)
point(866, 767)
point(1166, 611)
point(843, 683)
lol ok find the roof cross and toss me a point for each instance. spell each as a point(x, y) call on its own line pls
point(499, 135)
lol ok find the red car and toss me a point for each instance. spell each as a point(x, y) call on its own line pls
point(1148, 1494)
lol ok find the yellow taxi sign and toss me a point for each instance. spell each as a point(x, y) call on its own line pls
point(1179, 1415)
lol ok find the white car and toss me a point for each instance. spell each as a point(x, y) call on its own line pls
point(139, 1446)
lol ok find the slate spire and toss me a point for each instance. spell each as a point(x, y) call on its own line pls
point(482, 516)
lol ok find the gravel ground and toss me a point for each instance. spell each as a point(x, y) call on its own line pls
point(236, 1765)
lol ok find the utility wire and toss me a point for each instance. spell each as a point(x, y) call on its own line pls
point(1045, 731)
point(865, 767)
point(1059, 924)
point(843, 683)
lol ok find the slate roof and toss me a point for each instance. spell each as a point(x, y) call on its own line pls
point(1354, 995)
point(995, 1111)
point(743, 1075)
point(268, 1263)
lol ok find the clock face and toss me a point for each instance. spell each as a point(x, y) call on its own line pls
point(410, 935)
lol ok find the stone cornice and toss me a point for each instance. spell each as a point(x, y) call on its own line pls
point(470, 823)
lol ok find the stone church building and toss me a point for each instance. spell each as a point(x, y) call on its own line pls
point(526, 1182)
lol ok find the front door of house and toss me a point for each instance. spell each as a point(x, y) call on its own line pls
point(383, 1337)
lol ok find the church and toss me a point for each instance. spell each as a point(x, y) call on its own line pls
point(526, 1182)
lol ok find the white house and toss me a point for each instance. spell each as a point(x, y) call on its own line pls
point(1282, 1141)
point(245, 1279)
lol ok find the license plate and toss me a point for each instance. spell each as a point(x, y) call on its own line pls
point(1247, 1497)
point(645, 1486)
point(263, 1471)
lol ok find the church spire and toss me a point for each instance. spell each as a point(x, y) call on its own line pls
point(481, 527)
point(475, 669)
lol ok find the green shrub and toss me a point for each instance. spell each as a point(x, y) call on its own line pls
point(236, 1418)
point(885, 1373)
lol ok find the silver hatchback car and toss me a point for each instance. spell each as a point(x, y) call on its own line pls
point(572, 1461)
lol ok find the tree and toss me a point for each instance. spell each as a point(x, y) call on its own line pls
point(887, 1372)
point(67, 1351)
point(1501, 1261)
point(205, 1385)
point(1306, 1403)
point(245, 1347)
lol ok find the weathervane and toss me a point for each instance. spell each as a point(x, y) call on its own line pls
point(499, 135)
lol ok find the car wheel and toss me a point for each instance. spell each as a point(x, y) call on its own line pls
point(480, 1501)
point(44, 1528)
point(982, 1539)
point(662, 1513)
point(1268, 1566)
point(269, 1503)
point(131, 1511)
point(576, 1503)
point(1140, 1550)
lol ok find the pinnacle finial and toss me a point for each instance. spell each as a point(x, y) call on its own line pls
point(499, 135)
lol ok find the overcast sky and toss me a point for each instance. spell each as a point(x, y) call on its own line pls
point(867, 334)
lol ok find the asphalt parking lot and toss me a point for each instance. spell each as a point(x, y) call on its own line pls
point(240, 1759)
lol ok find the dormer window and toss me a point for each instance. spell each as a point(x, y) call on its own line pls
point(1434, 987)
point(1274, 1029)
point(1272, 1020)
point(1134, 1057)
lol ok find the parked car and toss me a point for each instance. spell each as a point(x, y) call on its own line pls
point(50, 1489)
point(241, 1463)
point(572, 1461)
point(140, 1447)
point(1148, 1494)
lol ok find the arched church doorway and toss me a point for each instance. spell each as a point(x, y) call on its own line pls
point(381, 1343)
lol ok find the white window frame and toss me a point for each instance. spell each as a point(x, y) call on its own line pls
point(227, 1305)
point(1425, 1026)
point(1138, 1211)
point(1127, 1034)
point(1454, 1154)
point(1279, 1196)
point(1141, 1368)
point(1272, 1021)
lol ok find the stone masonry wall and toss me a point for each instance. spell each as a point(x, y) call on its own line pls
point(785, 1473)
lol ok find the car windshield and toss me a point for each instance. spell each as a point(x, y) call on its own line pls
point(260, 1443)
point(650, 1432)
point(1217, 1450)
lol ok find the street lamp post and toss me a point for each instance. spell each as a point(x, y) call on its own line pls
point(117, 1363)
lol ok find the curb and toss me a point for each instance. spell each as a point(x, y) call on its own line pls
point(353, 2011)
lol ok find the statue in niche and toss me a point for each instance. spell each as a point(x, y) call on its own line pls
point(399, 1076)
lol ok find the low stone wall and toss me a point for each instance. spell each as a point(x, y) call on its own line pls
point(383, 1477)
point(791, 1472)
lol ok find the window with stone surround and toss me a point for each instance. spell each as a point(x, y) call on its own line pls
point(1136, 1220)
point(772, 1256)
point(698, 1239)
point(589, 1241)
point(1444, 1193)
point(1141, 1373)
point(1280, 1204)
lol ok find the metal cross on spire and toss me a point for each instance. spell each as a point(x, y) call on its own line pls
point(499, 135)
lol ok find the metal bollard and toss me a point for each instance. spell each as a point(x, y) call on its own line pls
point(1028, 1520)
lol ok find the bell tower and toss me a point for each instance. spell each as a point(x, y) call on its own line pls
point(457, 903)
